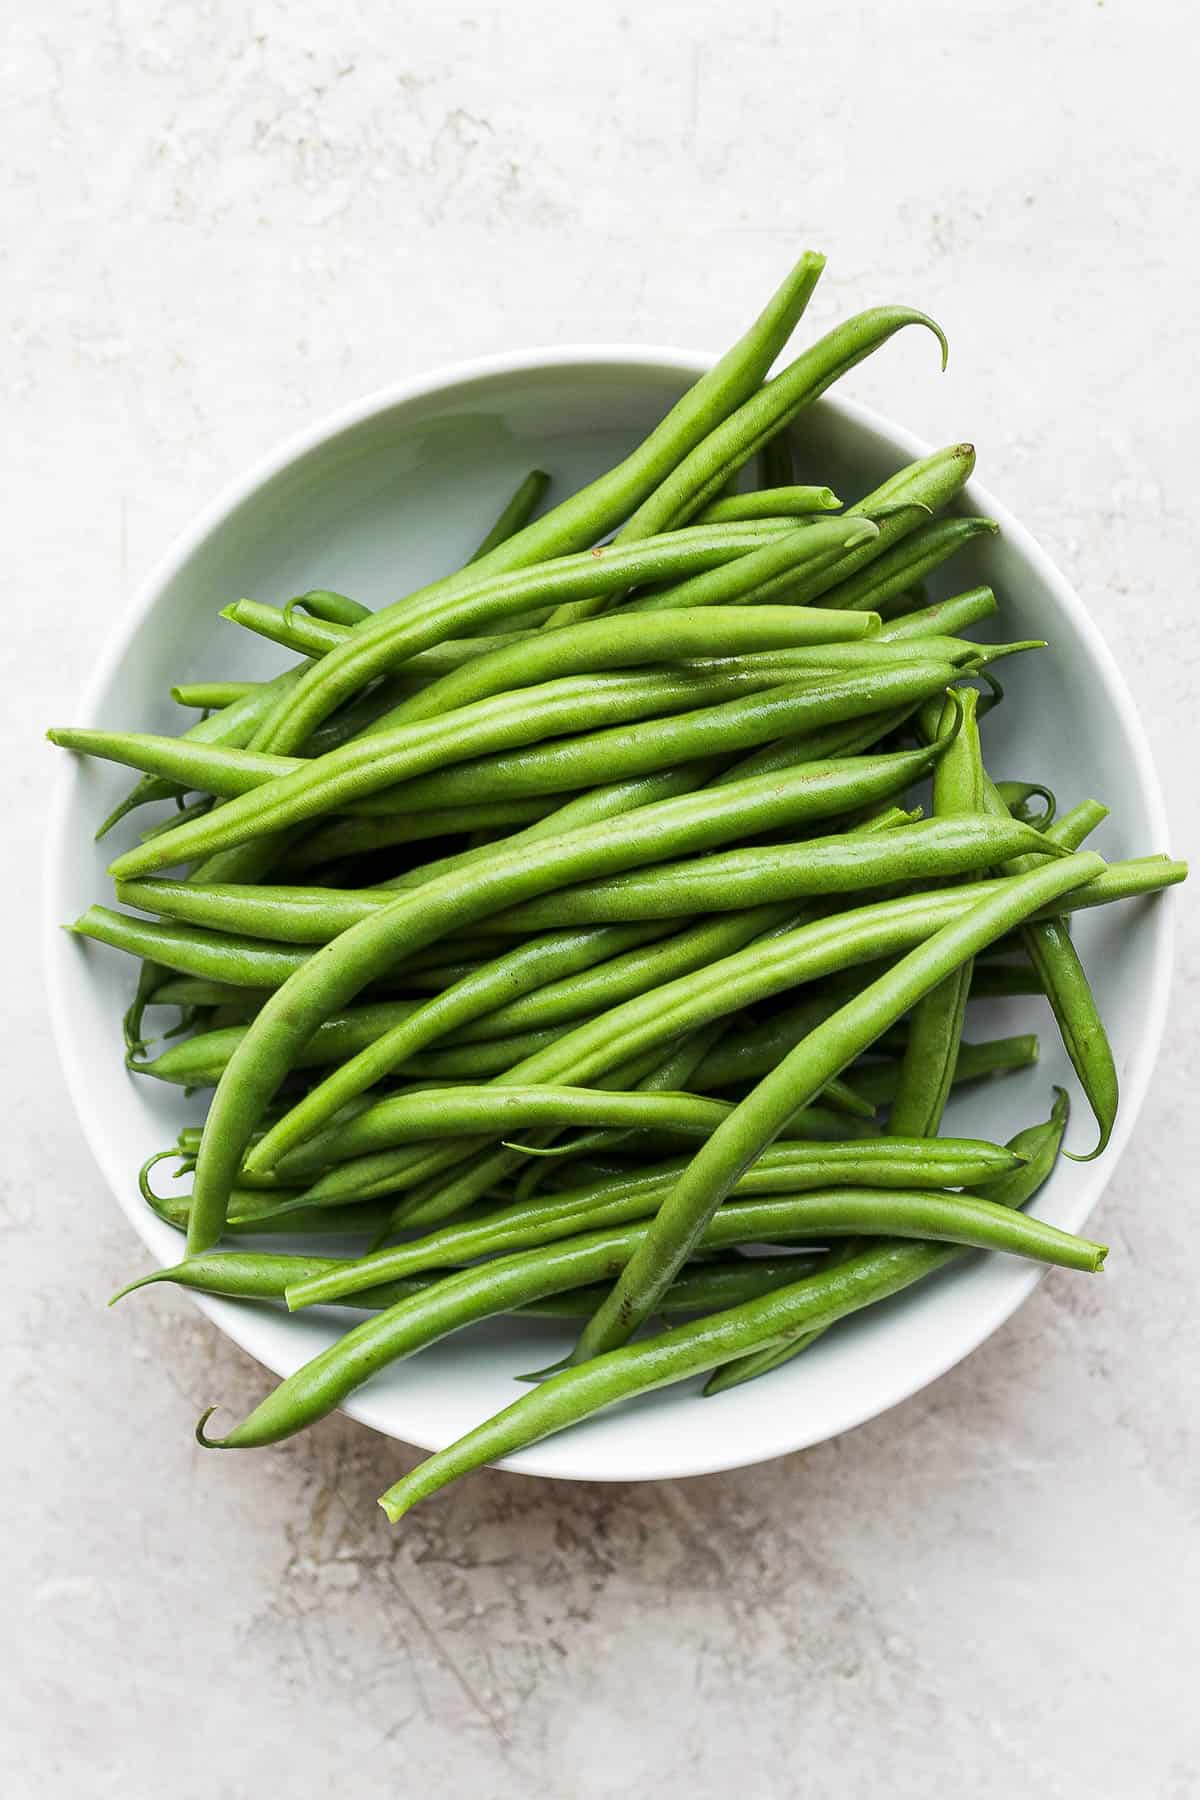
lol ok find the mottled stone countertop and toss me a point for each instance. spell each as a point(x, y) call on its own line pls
point(220, 222)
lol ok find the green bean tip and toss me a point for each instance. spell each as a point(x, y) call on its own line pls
point(202, 1438)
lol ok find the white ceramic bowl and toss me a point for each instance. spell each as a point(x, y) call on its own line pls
point(392, 492)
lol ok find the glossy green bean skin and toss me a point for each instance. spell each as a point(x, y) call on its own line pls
point(806, 953)
point(338, 971)
point(723, 1341)
point(626, 976)
point(359, 770)
point(234, 726)
point(997, 1056)
point(776, 564)
point(900, 506)
point(268, 793)
point(930, 849)
point(770, 503)
point(784, 1169)
point(500, 1109)
point(624, 641)
point(201, 1060)
point(936, 1027)
point(512, 1281)
point(260, 1215)
point(926, 549)
point(212, 696)
point(825, 1051)
point(267, 1274)
point(1048, 945)
point(620, 752)
point(927, 850)
point(1037, 1145)
point(943, 617)
point(211, 955)
point(345, 837)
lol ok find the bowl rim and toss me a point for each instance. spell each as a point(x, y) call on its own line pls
point(675, 361)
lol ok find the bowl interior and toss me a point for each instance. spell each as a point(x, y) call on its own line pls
point(401, 489)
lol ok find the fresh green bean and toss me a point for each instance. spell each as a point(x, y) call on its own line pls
point(510, 1281)
point(770, 503)
point(944, 617)
point(1048, 945)
point(338, 971)
point(784, 1169)
point(826, 1051)
point(880, 1081)
point(1038, 1146)
point(935, 1030)
point(212, 696)
point(776, 1321)
point(630, 975)
point(779, 563)
point(622, 641)
point(875, 588)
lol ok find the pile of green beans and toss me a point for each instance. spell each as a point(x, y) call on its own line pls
point(569, 934)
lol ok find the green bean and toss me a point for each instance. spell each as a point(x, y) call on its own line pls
point(211, 955)
point(324, 603)
point(783, 1170)
point(233, 726)
point(879, 1082)
point(364, 767)
point(900, 506)
point(338, 971)
point(889, 575)
point(266, 1219)
point(201, 1060)
point(266, 1274)
point(361, 766)
point(620, 751)
point(498, 1109)
point(630, 974)
point(935, 1030)
point(826, 1051)
point(771, 503)
point(623, 641)
point(945, 616)
point(358, 836)
point(779, 563)
point(927, 850)
point(452, 606)
point(213, 696)
point(515, 514)
point(671, 1074)
point(480, 1292)
point(1038, 1146)
point(767, 968)
point(1064, 981)
point(778, 1320)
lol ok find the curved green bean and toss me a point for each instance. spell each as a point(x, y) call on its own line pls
point(826, 1051)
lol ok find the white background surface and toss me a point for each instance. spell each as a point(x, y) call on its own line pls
point(222, 222)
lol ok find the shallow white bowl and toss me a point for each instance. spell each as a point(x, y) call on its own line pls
point(394, 491)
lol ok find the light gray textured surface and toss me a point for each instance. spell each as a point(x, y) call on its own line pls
point(222, 222)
